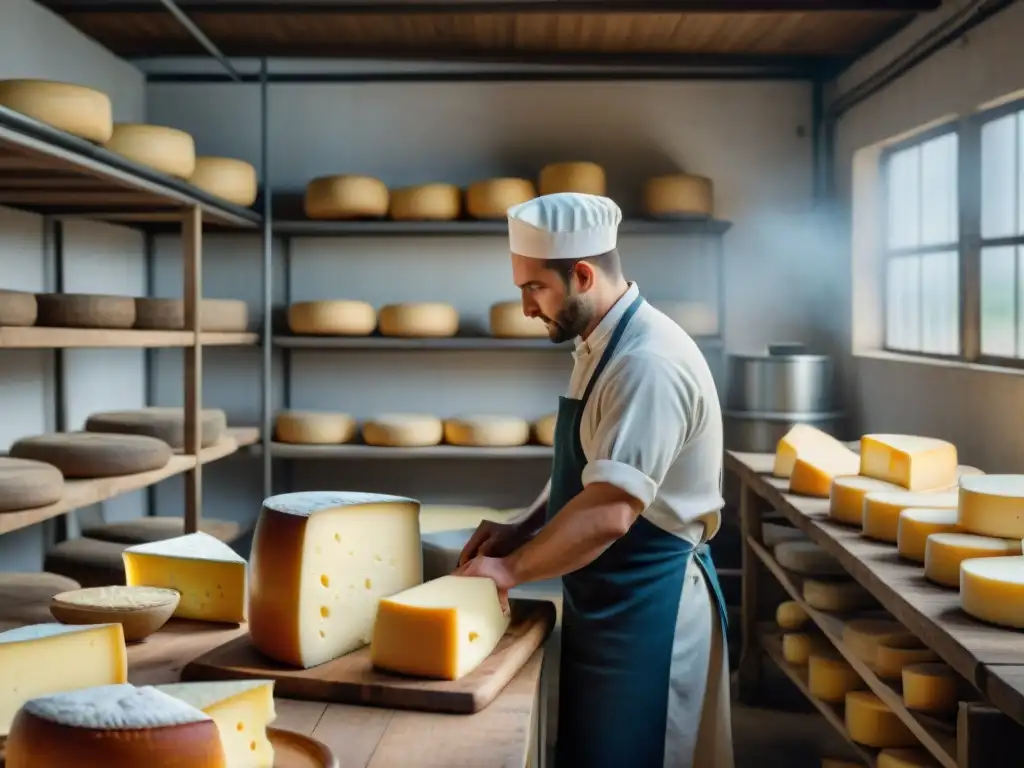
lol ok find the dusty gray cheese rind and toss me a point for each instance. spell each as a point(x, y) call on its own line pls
point(306, 503)
point(18, 308)
point(85, 455)
point(216, 315)
point(84, 310)
point(26, 484)
point(166, 424)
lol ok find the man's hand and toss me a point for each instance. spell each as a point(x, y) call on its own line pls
point(494, 568)
point(493, 539)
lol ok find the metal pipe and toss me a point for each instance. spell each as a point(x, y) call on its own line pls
point(266, 401)
point(200, 37)
point(149, 253)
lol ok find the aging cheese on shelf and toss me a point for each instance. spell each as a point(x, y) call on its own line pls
point(905, 758)
point(27, 484)
point(18, 308)
point(837, 596)
point(487, 431)
point(491, 199)
point(403, 430)
point(208, 573)
point(163, 149)
point(992, 505)
point(85, 310)
point(830, 677)
point(864, 636)
point(113, 726)
point(507, 321)
point(773, 534)
point(881, 519)
point(790, 615)
point(227, 178)
point(803, 440)
point(314, 427)
point(89, 455)
point(930, 687)
point(797, 647)
point(215, 315)
point(992, 589)
point(41, 659)
point(945, 552)
point(332, 317)
point(808, 559)
point(426, 202)
point(346, 197)
point(587, 178)
point(895, 653)
point(916, 525)
point(166, 424)
point(442, 629)
point(679, 194)
point(74, 109)
point(320, 562)
point(241, 710)
point(430, 319)
point(846, 498)
point(694, 317)
point(911, 462)
point(871, 723)
point(813, 471)
point(544, 429)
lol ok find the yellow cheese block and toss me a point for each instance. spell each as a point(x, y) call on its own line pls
point(491, 199)
point(544, 429)
point(830, 677)
point(911, 462)
point(797, 647)
point(208, 573)
point(992, 505)
point(905, 758)
point(346, 197)
point(164, 149)
point(77, 110)
point(863, 637)
point(930, 687)
point(808, 559)
point(42, 659)
point(944, 553)
point(314, 427)
point(403, 430)
point(332, 317)
point(871, 723)
point(442, 629)
point(916, 525)
point(846, 497)
point(418, 320)
point(803, 440)
point(487, 431)
point(679, 194)
point(881, 519)
point(587, 178)
point(227, 178)
point(992, 589)
point(813, 472)
point(426, 202)
point(838, 596)
point(507, 321)
point(895, 653)
point(790, 615)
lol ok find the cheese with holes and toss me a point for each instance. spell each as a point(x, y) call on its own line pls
point(403, 430)
point(813, 472)
point(487, 431)
point(930, 687)
point(586, 178)
point(426, 202)
point(89, 455)
point(74, 109)
point(18, 308)
point(881, 519)
point(916, 525)
point(113, 726)
point(41, 659)
point(694, 317)
point(507, 321)
point(895, 653)
point(544, 429)
point(27, 484)
point(442, 629)
point(85, 310)
point(803, 440)
point(241, 710)
point(773, 534)
point(163, 149)
point(418, 320)
point(679, 194)
point(166, 424)
point(830, 677)
point(332, 317)
point(491, 198)
point(314, 427)
point(846, 497)
point(227, 178)
point(905, 758)
point(992, 589)
point(911, 462)
point(215, 315)
point(320, 562)
point(945, 552)
point(807, 558)
point(790, 615)
point(871, 723)
point(797, 648)
point(992, 505)
point(864, 636)
point(346, 197)
point(208, 573)
point(839, 596)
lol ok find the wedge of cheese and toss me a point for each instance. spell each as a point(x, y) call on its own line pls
point(814, 471)
point(911, 462)
point(802, 440)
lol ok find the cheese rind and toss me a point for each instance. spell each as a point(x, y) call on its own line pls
point(332, 317)
point(18, 308)
point(882, 511)
point(507, 321)
point(911, 462)
point(429, 319)
point(846, 497)
point(808, 559)
point(80, 111)
point(803, 440)
point(85, 310)
point(163, 149)
point(790, 615)
point(830, 677)
point(992, 589)
point(864, 636)
point(90, 455)
point(992, 505)
point(930, 687)
point(227, 178)
point(583, 177)
point(945, 552)
point(166, 424)
point(346, 197)
point(679, 194)
point(27, 484)
point(838, 596)
point(314, 428)
point(813, 472)
point(491, 198)
point(403, 430)
point(797, 648)
point(895, 653)
point(426, 202)
point(487, 431)
point(544, 429)
point(870, 722)
point(916, 525)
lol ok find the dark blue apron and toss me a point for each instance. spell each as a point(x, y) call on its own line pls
point(618, 621)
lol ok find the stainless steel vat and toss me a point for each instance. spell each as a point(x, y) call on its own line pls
point(760, 432)
point(781, 383)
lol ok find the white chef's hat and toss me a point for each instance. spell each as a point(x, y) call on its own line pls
point(567, 225)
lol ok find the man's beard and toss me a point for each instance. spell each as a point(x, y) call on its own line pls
point(572, 319)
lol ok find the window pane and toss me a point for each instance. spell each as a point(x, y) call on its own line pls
point(1020, 300)
point(999, 177)
point(903, 303)
point(903, 195)
point(997, 301)
point(939, 205)
point(940, 303)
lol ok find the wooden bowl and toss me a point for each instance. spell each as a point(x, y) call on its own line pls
point(140, 611)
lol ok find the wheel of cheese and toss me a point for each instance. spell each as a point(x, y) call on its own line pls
point(314, 428)
point(895, 653)
point(215, 315)
point(797, 648)
point(992, 505)
point(163, 149)
point(427, 202)
point(227, 178)
point(332, 317)
point(830, 677)
point(930, 687)
point(587, 178)
point(945, 552)
point(808, 559)
point(881, 520)
point(992, 588)
point(905, 758)
point(85, 310)
point(916, 525)
point(544, 429)
point(509, 322)
point(140, 611)
point(790, 615)
point(870, 722)
point(487, 431)
point(85, 455)
point(77, 110)
point(26, 484)
point(346, 197)
point(838, 596)
point(418, 320)
point(694, 317)
point(863, 637)
point(18, 308)
point(165, 424)
point(846, 498)
point(492, 198)
point(403, 430)
point(679, 195)
point(772, 534)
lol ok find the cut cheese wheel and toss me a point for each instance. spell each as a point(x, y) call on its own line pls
point(487, 431)
point(586, 178)
point(905, 758)
point(916, 525)
point(215, 315)
point(864, 636)
point(881, 519)
point(830, 677)
point(911, 462)
point(83, 310)
point(41, 659)
point(509, 322)
point(797, 648)
point(163, 149)
point(428, 202)
point(846, 498)
point(18, 308)
point(773, 535)
point(838, 596)
point(492, 198)
point(320, 563)
point(991, 589)
point(314, 428)
point(694, 317)
point(208, 573)
point(679, 194)
point(140, 611)
point(807, 558)
point(87, 455)
point(895, 653)
point(790, 615)
point(930, 687)
point(436, 518)
point(337, 317)
point(227, 178)
point(403, 430)
point(26, 484)
point(346, 197)
point(945, 552)
point(544, 429)
point(113, 726)
point(442, 629)
point(419, 320)
point(803, 440)
point(74, 109)
point(992, 505)
point(166, 424)
point(870, 722)
point(813, 472)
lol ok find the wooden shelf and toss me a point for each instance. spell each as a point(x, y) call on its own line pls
point(453, 343)
point(38, 337)
point(294, 451)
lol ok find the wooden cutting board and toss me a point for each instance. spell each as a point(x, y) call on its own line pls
point(352, 679)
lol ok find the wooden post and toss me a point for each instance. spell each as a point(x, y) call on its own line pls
point(192, 261)
point(986, 738)
point(751, 658)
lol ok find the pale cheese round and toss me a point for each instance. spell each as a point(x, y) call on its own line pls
point(930, 687)
point(18, 308)
point(694, 317)
point(427, 202)
point(346, 197)
point(487, 431)
point(881, 520)
point(509, 322)
point(830, 677)
point(314, 428)
point(166, 424)
point(797, 647)
point(846, 497)
point(838, 596)
point(992, 589)
point(84, 310)
point(870, 722)
point(808, 559)
point(164, 149)
point(586, 178)
point(945, 552)
point(992, 505)
point(916, 525)
point(227, 178)
point(140, 611)
point(419, 320)
point(679, 195)
point(491, 199)
point(863, 637)
point(332, 317)
point(84, 455)
point(544, 429)
point(790, 615)
point(773, 534)
point(74, 109)
point(895, 653)
point(905, 758)
point(403, 430)
point(215, 315)
point(27, 484)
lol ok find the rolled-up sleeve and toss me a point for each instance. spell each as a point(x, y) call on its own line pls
point(644, 416)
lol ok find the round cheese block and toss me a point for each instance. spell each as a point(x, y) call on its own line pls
point(163, 149)
point(427, 202)
point(166, 424)
point(797, 647)
point(544, 429)
point(227, 178)
point(18, 308)
point(314, 428)
point(332, 317)
point(916, 525)
point(419, 320)
point(85, 310)
point(85, 455)
point(838, 596)
point(679, 195)
point(773, 534)
point(346, 197)
point(140, 611)
point(509, 322)
point(492, 198)
point(945, 552)
point(830, 677)
point(870, 722)
point(863, 636)
point(587, 178)
point(992, 588)
point(215, 315)
point(487, 431)
point(881, 519)
point(808, 559)
point(930, 687)
point(403, 430)
point(899, 651)
point(992, 505)
point(790, 615)
point(77, 110)
point(26, 484)
point(694, 317)
point(846, 498)
point(905, 758)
